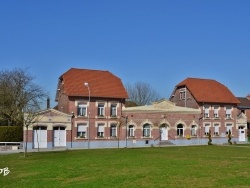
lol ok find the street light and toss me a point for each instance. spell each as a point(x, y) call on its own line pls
point(126, 140)
point(87, 85)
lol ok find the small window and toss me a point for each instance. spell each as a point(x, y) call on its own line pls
point(113, 130)
point(146, 130)
point(182, 94)
point(101, 110)
point(81, 131)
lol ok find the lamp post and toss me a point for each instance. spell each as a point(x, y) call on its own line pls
point(87, 85)
point(126, 140)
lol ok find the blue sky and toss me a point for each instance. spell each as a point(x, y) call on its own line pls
point(160, 42)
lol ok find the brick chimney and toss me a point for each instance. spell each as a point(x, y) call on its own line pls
point(248, 96)
point(48, 103)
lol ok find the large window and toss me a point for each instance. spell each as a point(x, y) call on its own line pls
point(146, 130)
point(207, 129)
point(113, 130)
point(180, 130)
point(131, 131)
point(82, 110)
point(206, 111)
point(81, 131)
point(228, 112)
point(101, 110)
point(216, 129)
point(229, 128)
point(194, 130)
point(113, 110)
point(100, 131)
point(216, 112)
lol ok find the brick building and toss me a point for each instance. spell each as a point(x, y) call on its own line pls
point(91, 114)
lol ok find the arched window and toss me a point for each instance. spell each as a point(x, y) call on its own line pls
point(131, 131)
point(146, 130)
point(180, 131)
point(194, 130)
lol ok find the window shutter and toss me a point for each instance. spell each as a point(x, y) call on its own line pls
point(216, 110)
point(216, 128)
point(82, 128)
point(100, 128)
point(206, 128)
point(206, 110)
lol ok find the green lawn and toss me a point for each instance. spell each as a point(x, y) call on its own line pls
point(196, 166)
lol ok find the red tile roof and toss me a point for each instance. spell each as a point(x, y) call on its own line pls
point(206, 90)
point(101, 84)
point(244, 102)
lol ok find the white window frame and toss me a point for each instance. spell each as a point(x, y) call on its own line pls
point(228, 110)
point(146, 130)
point(194, 130)
point(82, 131)
point(206, 111)
point(216, 111)
point(207, 128)
point(131, 131)
point(80, 111)
point(180, 130)
point(100, 130)
point(182, 94)
point(229, 126)
point(101, 110)
point(216, 129)
point(113, 110)
point(113, 130)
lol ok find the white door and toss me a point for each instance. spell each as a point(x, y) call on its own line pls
point(59, 136)
point(164, 133)
point(242, 135)
point(40, 137)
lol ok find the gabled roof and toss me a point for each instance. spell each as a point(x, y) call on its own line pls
point(207, 90)
point(162, 106)
point(244, 102)
point(101, 84)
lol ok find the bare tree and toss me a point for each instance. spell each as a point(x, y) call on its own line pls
point(142, 93)
point(18, 93)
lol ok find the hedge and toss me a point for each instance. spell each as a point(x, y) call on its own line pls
point(11, 133)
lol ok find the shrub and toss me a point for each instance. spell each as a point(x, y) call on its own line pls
point(209, 138)
point(229, 137)
point(11, 133)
